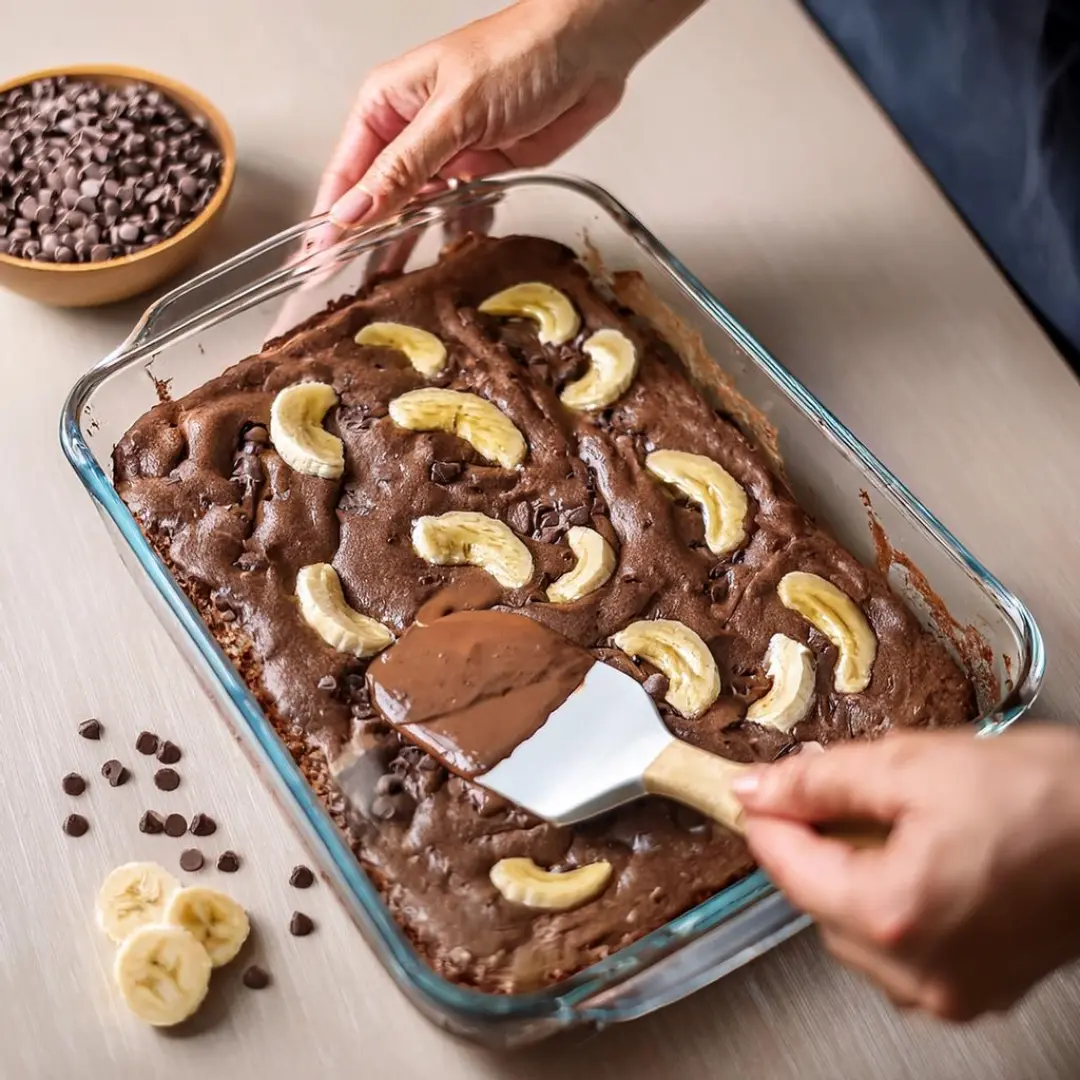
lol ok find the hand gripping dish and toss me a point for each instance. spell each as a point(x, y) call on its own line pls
point(198, 330)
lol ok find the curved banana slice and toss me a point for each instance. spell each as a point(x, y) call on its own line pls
point(463, 536)
point(323, 606)
point(163, 974)
point(790, 666)
point(133, 895)
point(297, 433)
point(216, 921)
point(490, 431)
point(425, 351)
point(521, 881)
point(721, 498)
point(693, 677)
point(611, 371)
point(550, 309)
point(595, 564)
point(840, 619)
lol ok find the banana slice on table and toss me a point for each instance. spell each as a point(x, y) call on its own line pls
point(693, 677)
point(790, 666)
point(425, 351)
point(595, 564)
point(216, 921)
point(551, 310)
point(612, 367)
point(297, 433)
point(490, 431)
point(840, 619)
point(323, 607)
point(163, 974)
point(521, 881)
point(463, 536)
point(133, 895)
point(703, 481)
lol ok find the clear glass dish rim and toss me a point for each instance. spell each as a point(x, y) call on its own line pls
point(572, 993)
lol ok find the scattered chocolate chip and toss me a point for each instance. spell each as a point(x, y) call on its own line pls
point(327, 682)
point(300, 925)
point(147, 743)
point(656, 685)
point(152, 823)
point(578, 516)
point(301, 877)
point(191, 860)
point(258, 435)
point(718, 591)
point(549, 536)
point(168, 753)
point(114, 772)
point(90, 729)
point(549, 520)
point(167, 779)
point(520, 518)
point(203, 825)
point(255, 978)
point(446, 472)
point(228, 862)
point(75, 825)
point(175, 825)
point(73, 784)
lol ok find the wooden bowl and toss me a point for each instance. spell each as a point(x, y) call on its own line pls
point(93, 284)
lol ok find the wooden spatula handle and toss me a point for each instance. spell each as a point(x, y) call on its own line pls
point(702, 780)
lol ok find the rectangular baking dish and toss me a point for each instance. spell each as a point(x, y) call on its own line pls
point(202, 327)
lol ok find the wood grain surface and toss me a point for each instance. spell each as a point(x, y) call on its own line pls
point(748, 147)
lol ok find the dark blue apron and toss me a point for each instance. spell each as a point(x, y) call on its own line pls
point(987, 93)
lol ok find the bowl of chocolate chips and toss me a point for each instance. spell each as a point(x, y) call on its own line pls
point(111, 181)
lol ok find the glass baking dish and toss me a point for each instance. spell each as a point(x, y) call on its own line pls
point(202, 327)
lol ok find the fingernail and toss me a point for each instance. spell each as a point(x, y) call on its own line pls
point(351, 207)
point(746, 784)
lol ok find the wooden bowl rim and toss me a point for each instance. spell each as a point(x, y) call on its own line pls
point(217, 123)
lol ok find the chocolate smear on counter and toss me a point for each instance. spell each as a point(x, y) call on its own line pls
point(76, 825)
point(228, 862)
point(470, 686)
point(300, 925)
point(73, 784)
point(90, 729)
point(168, 753)
point(256, 978)
point(175, 825)
point(147, 743)
point(151, 823)
point(301, 877)
point(115, 773)
point(191, 860)
point(167, 779)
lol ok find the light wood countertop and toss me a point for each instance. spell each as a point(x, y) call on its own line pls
point(745, 145)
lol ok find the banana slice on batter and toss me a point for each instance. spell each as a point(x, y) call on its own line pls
point(425, 351)
point(521, 881)
point(297, 433)
point(464, 536)
point(323, 607)
point(790, 666)
point(556, 317)
point(612, 367)
point(595, 564)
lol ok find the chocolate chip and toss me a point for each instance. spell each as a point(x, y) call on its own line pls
point(257, 435)
point(203, 825)
point(114, 772)
point(191, 860)
point(146, 743)
point(175, 825)
point(152, 823)
point(76, 825)
point(167, 779)
point(520, 518)
point(327, 682)
point(718, 591)
point(578, 516)
point(656, 685)
point(549, 520)
point(300, 925)
point(446, 472)
point(73, 784)
point(255, 978)
point(301, 877)
point(168, 753)
point(549, 536)
point(90, 729)
point(228, 862)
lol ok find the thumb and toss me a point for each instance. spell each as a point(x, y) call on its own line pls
point(855, 780)
point(411, 160)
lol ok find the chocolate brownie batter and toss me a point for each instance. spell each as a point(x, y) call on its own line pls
point(236, 524)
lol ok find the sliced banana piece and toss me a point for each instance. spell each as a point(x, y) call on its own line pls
point(133, 895)
point(551, 310)
point(595, 564)
point(216, 921)
point(790, 666)
point(297, 433)
point(693, 677)
point(521, 881)
point(463, 536)
point(703, 481)
point(163, 974)
point(323, 606)
point(840, 619)
point(490, 431)
point(425, 351)
point(612, 367)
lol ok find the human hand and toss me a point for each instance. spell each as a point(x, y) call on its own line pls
point(974, 897)
point(516, 89)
